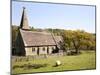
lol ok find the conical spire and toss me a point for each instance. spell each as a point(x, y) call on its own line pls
point(24, 21)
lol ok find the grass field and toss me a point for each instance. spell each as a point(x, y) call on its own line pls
point(86, 60)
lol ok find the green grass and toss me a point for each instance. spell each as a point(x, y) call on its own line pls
point(86, 60)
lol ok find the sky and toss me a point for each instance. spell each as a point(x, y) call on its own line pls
point(60, 16)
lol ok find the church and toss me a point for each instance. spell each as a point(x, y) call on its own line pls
point(30, 43)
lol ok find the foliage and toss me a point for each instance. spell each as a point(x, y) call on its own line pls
point(54, 31)
point(78, 40)
point(14, 30)
point(32, 29)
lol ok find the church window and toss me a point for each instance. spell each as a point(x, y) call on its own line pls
point(43, 48)
point(33, 49)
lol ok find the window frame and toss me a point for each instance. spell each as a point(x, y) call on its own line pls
point(33, 49)
point(44, 49)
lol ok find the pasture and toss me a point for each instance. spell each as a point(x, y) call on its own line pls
point(86, 60)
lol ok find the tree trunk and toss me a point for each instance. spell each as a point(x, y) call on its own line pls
point(76, 47)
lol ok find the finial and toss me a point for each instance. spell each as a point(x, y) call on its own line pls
point(23, 7)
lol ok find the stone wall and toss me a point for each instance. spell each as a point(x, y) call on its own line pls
point(31, 51)
point(42, 50)
point(39, 50)
point(20, 50)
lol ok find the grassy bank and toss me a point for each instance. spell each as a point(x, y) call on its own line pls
point(86, 60)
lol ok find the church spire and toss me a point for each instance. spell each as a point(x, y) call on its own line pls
point(24, 20)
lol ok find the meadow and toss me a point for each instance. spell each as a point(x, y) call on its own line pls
point(84, 61)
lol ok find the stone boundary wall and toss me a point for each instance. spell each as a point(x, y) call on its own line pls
point(30, 58)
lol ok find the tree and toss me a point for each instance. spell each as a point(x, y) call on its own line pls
point(14, 34)
point(89, 41)
point(67, 39)
point(32, 29)
point(56, 32)
point(78, 39)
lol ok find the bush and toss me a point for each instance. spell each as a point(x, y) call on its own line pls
point(71, 52)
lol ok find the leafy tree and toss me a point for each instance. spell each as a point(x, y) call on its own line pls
point(67, 39)
point(78, 39)
point(56, 32)
point(14, 34)
point(89, 41)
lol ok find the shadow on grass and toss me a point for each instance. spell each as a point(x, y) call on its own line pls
point(30, 66)
point(56, 65)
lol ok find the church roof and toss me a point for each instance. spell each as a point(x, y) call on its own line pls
point(31, 38)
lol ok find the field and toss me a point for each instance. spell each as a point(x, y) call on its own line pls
point(84, 61)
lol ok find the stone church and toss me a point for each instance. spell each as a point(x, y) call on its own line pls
point(30, 43)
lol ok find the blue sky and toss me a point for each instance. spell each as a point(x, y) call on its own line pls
point(44, 15)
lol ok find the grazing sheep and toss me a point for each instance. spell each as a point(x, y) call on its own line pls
point(58, 63)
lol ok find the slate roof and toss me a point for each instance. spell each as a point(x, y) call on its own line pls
point(31, 38)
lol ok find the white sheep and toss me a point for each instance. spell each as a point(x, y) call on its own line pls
point(58, 63)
